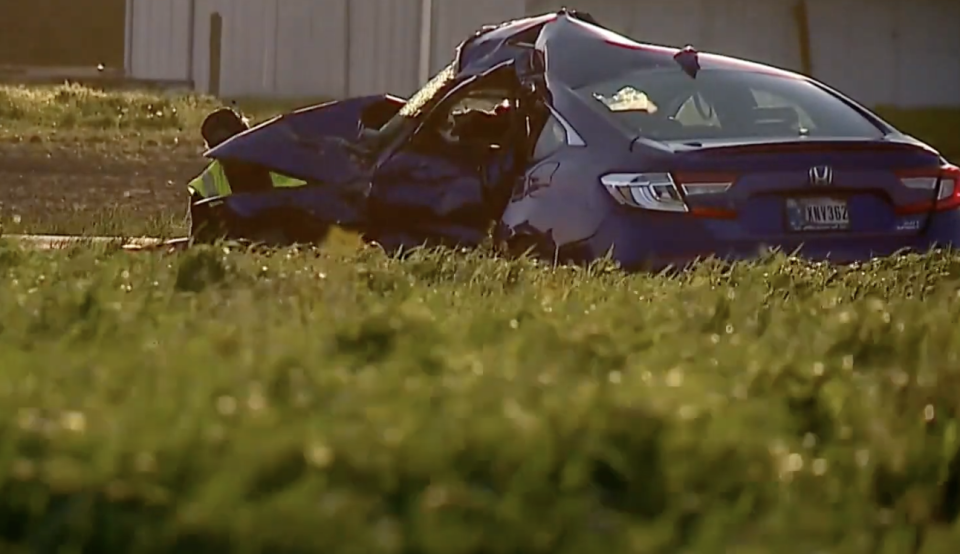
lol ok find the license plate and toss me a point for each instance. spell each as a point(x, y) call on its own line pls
point(817, 214)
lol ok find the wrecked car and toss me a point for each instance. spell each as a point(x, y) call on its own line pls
point(555, 136)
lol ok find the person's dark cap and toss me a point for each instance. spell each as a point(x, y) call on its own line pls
point(220, 125)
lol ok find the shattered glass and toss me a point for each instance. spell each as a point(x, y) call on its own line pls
point(429, 91)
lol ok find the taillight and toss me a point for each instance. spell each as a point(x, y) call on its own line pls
point(945, 181)
point(949, 196)
point(650, 191)
point(697, 184)
point(662, 191)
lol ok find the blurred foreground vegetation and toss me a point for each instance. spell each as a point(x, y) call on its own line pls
point(341, 400)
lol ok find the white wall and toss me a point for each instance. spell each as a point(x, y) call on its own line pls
point(895, 52)
point(298, 48)
point(249, 43)
point(311, 39)
point(455, 20)
point(158, 42)
point(759, 30)
point(384, 46)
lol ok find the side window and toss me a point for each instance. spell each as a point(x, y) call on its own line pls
point(477, 116)
point(774, 103)
point(480, 113)
point(551, 138)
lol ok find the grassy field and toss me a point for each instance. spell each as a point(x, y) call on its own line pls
point(77, 160)
point(339, 400)
point(70, 110)
point(343, 401)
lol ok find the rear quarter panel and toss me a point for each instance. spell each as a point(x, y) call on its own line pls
point(559, 200)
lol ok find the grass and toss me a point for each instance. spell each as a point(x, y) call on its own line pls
point(115, 221)
point(341, 400)
point(71, 109)
point(76, 159)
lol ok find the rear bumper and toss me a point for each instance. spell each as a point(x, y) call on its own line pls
point(656, 241)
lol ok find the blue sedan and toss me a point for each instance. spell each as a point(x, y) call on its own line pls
point(556, 136)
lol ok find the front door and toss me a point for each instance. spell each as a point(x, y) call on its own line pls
point(450, 181)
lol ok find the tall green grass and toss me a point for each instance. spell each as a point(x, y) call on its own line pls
point(75, 107)
point(344, 401)
point(113, 221)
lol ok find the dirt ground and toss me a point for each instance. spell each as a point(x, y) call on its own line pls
point(65, 186)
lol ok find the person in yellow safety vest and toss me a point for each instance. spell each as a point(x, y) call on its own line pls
point(213, 182)
point(217, 128)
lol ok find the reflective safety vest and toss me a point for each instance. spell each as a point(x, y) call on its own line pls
point(213, 182)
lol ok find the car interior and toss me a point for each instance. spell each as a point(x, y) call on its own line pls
point(473, 126)
point(691, 112)
point(482, 130)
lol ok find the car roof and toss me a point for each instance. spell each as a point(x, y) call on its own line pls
point(568, 42)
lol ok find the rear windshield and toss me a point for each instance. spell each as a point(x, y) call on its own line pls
point(724, 104)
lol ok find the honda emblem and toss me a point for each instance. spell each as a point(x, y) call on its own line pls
point(821, 175)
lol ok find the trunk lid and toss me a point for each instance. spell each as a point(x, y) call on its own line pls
point(807, 187)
